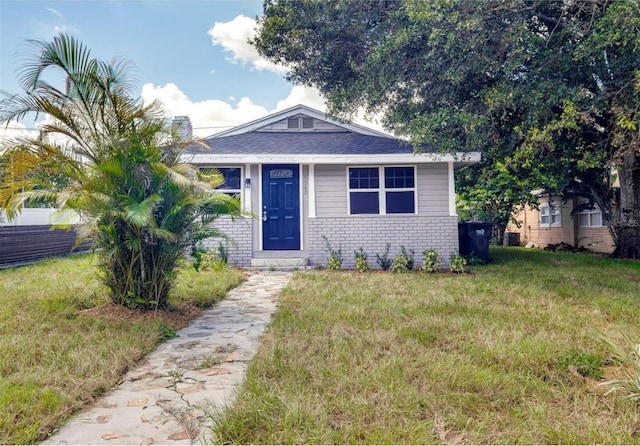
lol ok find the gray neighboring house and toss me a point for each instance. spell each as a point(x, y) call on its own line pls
point(305, 176)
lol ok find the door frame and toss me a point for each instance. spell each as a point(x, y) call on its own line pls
point(300, 205)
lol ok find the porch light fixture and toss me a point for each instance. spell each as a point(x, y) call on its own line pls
point(247, 183)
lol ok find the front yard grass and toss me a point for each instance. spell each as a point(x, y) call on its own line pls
point(61, 347)
point(507, 354)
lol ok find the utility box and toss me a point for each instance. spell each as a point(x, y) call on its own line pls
point(474, 239)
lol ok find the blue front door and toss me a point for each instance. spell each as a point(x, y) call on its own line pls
point(280, 206)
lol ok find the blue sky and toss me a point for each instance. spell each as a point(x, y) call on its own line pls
point(192, 55)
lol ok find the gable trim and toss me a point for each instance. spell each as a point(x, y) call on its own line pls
point(290, 112)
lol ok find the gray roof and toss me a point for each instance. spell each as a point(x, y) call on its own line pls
point(311, 143)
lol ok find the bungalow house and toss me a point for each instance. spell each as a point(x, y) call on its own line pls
point(552, 223)
point(305, 177)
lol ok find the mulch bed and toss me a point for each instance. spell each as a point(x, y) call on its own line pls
point(176, 317)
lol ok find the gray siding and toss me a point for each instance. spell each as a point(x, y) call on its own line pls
point(318, 125)
point(373, 233)
point(331, 190)
point(433, 189)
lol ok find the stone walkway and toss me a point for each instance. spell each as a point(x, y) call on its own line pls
point(167, 398)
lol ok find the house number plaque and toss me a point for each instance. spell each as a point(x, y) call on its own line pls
point(280, 173)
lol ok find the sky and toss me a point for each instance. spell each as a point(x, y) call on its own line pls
point(192, 55)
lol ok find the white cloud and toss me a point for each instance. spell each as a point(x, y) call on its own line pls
point(47, 30)
point(214, 116)
point(11, 133)
point(55, 12)
point(207, 117)
point(13, 130)
point(234, 38)
point(300, 94)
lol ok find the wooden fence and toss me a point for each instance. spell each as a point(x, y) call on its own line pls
point(20, 245)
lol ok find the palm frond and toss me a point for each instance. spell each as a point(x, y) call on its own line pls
point(141, 213)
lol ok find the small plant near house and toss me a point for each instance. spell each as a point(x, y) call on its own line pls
point(430, 261)
point(201, 258)
point(403, 261)
point(334, 262)
point(223, 253)
point(362, 264)
point(215, 259)
point(384, 260)
point(410, 256)
point(458, 263)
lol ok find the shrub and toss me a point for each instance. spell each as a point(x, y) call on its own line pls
point(204, 259)
point(334, 262)
point(430, 261)
point(458, 263)
point(384, 261)
point(362, 264)
point(401, 262)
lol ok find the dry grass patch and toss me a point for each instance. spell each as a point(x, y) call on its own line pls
point(62, 344)
point(496, 356)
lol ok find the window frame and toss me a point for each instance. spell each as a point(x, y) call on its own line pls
point(589, 213)
point(228, 191)
point(382, 189)
point(553, 214)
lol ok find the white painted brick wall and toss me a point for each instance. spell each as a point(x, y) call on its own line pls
point(350, 233)
point(373, 233)
point(239, 243)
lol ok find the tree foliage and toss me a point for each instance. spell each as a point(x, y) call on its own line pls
point(106, 156)
point(549, 91)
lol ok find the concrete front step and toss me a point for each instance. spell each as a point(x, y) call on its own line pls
point(286, 263)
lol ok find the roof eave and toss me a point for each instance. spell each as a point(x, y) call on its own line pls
point(459, 159)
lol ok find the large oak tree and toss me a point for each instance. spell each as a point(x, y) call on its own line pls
point(549, 89)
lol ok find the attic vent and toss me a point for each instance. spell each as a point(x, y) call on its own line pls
point(293, 123)
point(307, 123)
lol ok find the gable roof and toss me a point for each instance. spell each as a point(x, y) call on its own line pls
point(292, 111)
point(269, 140)
point(309, 143)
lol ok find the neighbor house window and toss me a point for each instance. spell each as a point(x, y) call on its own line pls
point(549, 214)
point(382, 190)
point(590, 218)
point(232, 179)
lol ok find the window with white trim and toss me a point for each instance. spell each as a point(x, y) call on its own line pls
point(550, 214)
point(590, 218)
point(382, 190)
point(232, 184)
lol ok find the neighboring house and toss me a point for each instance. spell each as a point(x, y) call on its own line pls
point(306, 176)
point(552, 223)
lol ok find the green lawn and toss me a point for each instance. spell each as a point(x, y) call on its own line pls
point(54, 359)
point(507, 354)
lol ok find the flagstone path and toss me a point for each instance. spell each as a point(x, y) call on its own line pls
point(167, 398)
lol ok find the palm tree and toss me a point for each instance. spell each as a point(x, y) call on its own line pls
point(106, 156)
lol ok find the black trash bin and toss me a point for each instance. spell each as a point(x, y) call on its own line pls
point(474, 239)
